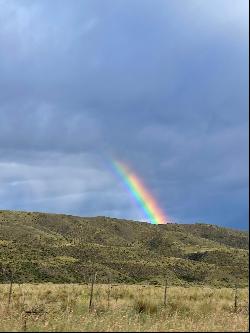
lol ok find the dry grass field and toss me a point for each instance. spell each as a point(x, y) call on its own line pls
point(65, 307)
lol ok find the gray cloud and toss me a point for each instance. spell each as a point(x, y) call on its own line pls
point(47, 127)
point(161, 85)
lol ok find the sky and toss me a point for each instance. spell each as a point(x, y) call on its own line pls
point(160, 85)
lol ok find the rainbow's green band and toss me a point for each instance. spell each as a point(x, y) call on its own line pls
point(141, 195)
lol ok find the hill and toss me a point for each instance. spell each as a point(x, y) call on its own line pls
point(40, 247)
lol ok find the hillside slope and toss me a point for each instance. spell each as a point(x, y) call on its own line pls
point(61, 248)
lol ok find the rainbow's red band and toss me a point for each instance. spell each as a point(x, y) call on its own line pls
point(142, 196)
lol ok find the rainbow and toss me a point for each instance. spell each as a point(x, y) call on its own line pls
point(141, 195)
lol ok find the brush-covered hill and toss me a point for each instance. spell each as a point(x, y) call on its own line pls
point(41, 247)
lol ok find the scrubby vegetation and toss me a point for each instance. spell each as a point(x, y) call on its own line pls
point(51, 307)
point(40, 247)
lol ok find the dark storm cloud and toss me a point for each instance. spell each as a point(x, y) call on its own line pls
point(162, 85)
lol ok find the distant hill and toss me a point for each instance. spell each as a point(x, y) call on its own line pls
point(61, 248)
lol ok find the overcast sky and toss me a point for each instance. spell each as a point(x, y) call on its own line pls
point(160, 85)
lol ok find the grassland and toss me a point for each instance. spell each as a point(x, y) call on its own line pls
point(40, 247)
point(50, 259)
point(65, 307)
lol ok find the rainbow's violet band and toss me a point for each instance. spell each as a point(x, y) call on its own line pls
point(141, 195)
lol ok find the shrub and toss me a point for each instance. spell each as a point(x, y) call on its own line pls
point(142, 305)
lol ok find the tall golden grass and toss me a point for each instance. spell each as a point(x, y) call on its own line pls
point(124, 308)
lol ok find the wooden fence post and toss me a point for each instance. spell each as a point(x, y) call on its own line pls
point(109, 288)
point(24, 323)
point(10, 290)
point(165, 292)
point(236, 298)
point(91, 291)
